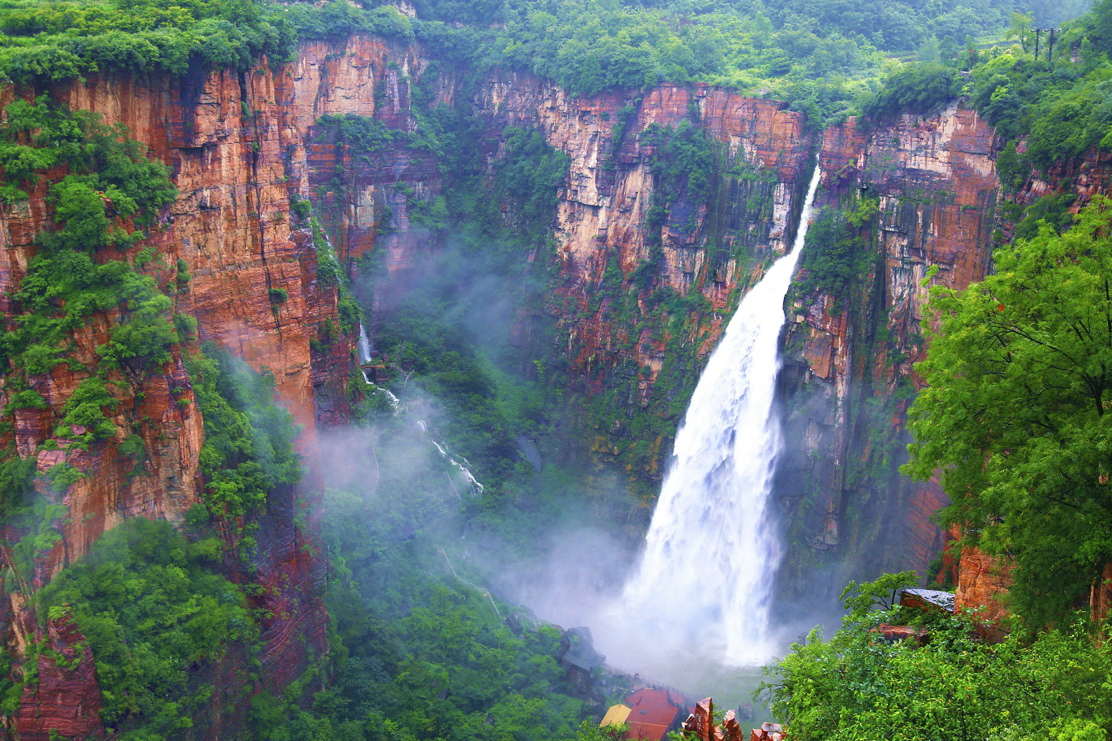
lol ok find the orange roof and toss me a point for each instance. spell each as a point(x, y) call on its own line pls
point(652, 713)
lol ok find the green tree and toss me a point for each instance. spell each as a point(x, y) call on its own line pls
point(859, 685)
point(1019, 382)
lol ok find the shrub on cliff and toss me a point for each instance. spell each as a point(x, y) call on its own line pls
point(53, 41)
point(919, 89)
point(248, 449)
point(102, 187)
point(834, 253)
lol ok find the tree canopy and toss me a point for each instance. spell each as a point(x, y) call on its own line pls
point(861, 684)
point(1019, 380)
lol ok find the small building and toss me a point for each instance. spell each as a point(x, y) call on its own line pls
point(617, 715)
point(653, 712)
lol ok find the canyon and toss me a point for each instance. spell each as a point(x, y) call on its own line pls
point(244, 145)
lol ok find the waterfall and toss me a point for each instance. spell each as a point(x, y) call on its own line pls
point(364, 346)
point(712, 548)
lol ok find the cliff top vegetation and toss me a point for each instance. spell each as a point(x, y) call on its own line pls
point(820, 57)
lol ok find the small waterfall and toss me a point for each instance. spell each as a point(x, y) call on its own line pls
point(393, 401)
point(365, 357)
point(364, 346)
point(712, 550)
point(473, 485)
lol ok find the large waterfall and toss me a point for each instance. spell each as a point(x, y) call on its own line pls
point(712, 548)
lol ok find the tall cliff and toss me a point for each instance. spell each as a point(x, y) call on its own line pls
point(647, 270)
point(848, 379)
point(225, 136)
point(240, 147)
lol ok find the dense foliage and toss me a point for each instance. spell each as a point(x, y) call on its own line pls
point(834, 258)
point(109, 187)
point(418, 654)
point(818, 56)
point(451, 333)
point(103, 194)
point(1014, 414)
point(682, 163)
point(1056, 101)
point(153, 611)
point(864, 686)
point(59, 40)
point(248, 450)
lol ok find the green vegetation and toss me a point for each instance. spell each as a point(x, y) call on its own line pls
point(248, 450)
point(683, 162)
point(109, 187)
point(450, 334)
point(1056, 101)
point(103, 192)
point(860, 685)
point(153, 611)
point(1014, 414)
point(417, 654)
point(818, 56)
point(834, 256)
point(919, 88)
point(364, 136)
point(51, 41)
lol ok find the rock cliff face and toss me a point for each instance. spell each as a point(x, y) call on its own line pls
point(711, 250)
point(983, 582)
point(848, 375)
point(225, 137)
point(624, 360)
point(68, 699)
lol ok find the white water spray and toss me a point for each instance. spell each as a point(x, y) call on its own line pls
point(712, 551)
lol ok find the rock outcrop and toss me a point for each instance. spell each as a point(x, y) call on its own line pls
point(225, 137)
point(983, 583)
point(1100, 600)
point(66, 699)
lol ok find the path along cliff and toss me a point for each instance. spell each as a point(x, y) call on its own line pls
point(243, 146)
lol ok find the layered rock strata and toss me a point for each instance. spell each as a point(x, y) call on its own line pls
point(848, 375)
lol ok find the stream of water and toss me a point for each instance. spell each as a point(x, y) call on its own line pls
point(712, 549)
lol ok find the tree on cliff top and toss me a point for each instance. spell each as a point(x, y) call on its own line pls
point(1016, 412)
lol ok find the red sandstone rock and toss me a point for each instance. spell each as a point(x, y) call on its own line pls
point(896, 633)
point(66, 703)
point(982, 583)
point(1100, 600)
point(701, 722)
point(935, 182)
